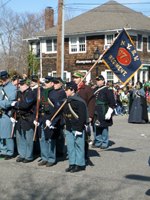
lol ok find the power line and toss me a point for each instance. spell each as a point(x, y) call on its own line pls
point(5, 3)
point(86, 9)
point(94, 4)
point(23, 26)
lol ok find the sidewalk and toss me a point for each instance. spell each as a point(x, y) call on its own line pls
point(119, 173)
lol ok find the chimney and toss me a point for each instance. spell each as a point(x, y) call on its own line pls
point(49, 18)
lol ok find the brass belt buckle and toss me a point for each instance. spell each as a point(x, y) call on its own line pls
point(42, 113)
point(69, 115)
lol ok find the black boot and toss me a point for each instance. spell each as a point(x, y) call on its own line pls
point(70, 168)
point(2, 156)
point(76, 169)
point(8, 157)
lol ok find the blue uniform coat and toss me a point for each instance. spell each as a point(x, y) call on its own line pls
point(5, 105)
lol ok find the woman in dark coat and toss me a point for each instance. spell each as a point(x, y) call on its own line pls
point(137, 105)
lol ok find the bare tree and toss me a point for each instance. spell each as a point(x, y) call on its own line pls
point(13, 28)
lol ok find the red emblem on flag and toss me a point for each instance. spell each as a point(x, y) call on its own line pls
point(123, 56)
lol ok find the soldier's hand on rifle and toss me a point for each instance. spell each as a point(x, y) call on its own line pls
point(36, 123)
point(13, 103)
point(78, 133)
point(13, 120)
point(108, 114)
point(48, 123)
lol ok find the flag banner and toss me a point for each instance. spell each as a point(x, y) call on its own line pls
point(121, 58)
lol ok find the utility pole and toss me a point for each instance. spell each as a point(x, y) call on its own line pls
point(60, 40)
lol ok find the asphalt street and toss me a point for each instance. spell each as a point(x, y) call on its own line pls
point(119, 173)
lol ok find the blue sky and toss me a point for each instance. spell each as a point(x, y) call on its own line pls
point(73, 7)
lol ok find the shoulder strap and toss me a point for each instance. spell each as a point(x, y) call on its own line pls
point(100, 89)
point(4, 95)
point(49, 101)
point(73, 113)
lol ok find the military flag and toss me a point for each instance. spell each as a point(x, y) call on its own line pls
point(121, 58)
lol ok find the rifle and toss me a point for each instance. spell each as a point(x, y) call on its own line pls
point(28, 72)
point(15, 113)
point(37, 110)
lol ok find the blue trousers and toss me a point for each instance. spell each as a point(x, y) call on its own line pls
point(75, 147)
point(101, 136)
point(124, 109)
point(48, 148)
point(7, 146)
point(119, 109)
point(24, 140)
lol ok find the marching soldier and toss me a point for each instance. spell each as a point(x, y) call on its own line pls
point(87, 94)
point(60, 142)
point(104, 108)
point(76, 117)
point(24, 122)
point(15, 80)
point(34, 87)
point(34, 82)
point(48, 131)
point(7, 96)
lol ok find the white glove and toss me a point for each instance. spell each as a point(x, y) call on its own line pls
point(13, 103)
point(78, 133)
point(108, 114)
point(13, 120)
point(36, 123)
point(52, 127)
point(48, 123)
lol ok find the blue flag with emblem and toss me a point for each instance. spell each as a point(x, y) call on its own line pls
point(121, 58)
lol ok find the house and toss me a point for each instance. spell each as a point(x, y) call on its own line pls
point(84, 33)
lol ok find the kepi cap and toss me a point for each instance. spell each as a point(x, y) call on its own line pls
point(58, 80)
point(71, 85)
point(25, 81)
point(78, 74)
point(100, 77)
point(34, 78)
point(49, 79)
point(4, 75)
point(15, 77)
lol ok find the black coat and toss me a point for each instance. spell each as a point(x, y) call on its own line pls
point(24, 109)
point(50, 133)
point(72, 122)
point(106, 96)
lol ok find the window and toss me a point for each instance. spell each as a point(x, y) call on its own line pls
point(77, 45)
point(66, 74)
point(38, 49)
point(108, 40)
point(51, 45)
point(139, 42)
point(88, 78)
point(148, 43)
point(110, 76)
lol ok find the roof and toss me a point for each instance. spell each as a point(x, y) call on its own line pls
point(108, 16)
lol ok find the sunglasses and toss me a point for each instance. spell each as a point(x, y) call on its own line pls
point(68, 88)
point(47, 81)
